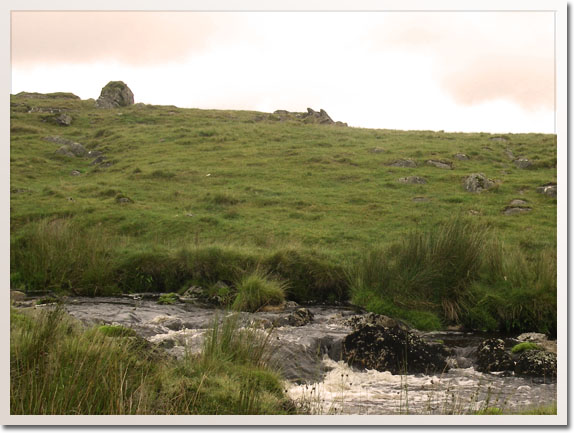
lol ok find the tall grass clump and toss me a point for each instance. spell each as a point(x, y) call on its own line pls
point(257, 290)
point(427, 271)
point(516, 292)
point(60, 255)
point(56, 368)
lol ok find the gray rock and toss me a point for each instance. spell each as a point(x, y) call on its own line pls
point(59, 140)
point(62, 119)
point(510, 154)
point(518, 203)
point(404, 163)
point(475, 183)
point(299, 317)
point(115, 94)
point(523, 163)
point(72, 150)
point(516, 210)
point(378, 150)
point(420, 199)
point(413, 179)
point(439, 164)
point(75, 173)
point(548, 189)
point(461, 156)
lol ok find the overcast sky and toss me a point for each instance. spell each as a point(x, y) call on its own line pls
point(452, 71)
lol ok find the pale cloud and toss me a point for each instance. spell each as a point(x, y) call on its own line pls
point(481, 56)
point(476, 72)
point(134, 38)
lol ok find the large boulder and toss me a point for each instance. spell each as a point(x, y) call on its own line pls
point(115, 94)
point(476, 183)
point(393, 349)
point(492, 356)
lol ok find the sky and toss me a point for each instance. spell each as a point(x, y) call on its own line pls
point(451, 71)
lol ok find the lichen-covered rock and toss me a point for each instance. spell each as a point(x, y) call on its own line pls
point(115, 94)
point(413, 179)
point(299, 317)
point(404, 163)
point(360, 320)
point(440, 164)
point(394, 350)
point(73, 149)
point(549, 189)
point(492, 356)
point(537, 363)
point(476, 183)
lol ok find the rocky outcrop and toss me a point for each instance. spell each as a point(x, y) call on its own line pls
point(476, 183)
point(73, 149)
point(392, 349)
point(492, 356)
point(308, 117)
point(62, 119)
point(115, 94)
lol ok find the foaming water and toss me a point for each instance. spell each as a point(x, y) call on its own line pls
point(458, 391)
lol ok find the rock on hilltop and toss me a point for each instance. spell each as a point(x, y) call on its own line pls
point(115, 94)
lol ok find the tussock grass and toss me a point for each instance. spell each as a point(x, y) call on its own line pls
point(256, 290)
point(57, 367)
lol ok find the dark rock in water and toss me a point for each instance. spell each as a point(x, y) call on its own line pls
point(413, 179)
point(115, 94)
point(548, 189)
point(299, 317)
point(492, 356)
point(404, 163)
point(392, 349)
point(358, 321)
point(537, 363)
point(475, 183)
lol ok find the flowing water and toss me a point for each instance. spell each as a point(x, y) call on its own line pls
point(309, 357)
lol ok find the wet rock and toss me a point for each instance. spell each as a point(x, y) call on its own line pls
point(360, 320)
point(492, 356)
point(537, 363)
point(440, 164)
point(413, 179)
point(115, 94)
point(549, 189)
point(392, 349)
point(461, 156)
point(404, 163)
point(523, 163)
point(299, 317)
point(476, 183)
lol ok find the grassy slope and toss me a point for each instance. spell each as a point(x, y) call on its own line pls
point(272, 184)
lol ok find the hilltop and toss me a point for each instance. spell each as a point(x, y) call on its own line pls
point(158, 198)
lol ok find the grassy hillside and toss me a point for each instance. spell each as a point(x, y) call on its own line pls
point(188, 196)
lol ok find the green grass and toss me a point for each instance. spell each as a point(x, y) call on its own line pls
point(58, 367)
point(256, 290)
point(216, 194)
point(522, 347)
